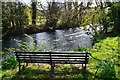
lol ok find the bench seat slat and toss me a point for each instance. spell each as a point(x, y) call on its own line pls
point(52, 57)
point(56, 62)
point(33, 52)
point(22, 61)
point(69, 55)
point(68, 61)
point(32, 55)
point(56, 55)
point(54, 52)
point(70, 58)
point(35, 57)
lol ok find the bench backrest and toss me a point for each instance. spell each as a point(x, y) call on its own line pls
point(53, 57)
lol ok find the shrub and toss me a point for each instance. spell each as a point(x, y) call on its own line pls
point(9, 62)
point(82, 49)
point(106, 69)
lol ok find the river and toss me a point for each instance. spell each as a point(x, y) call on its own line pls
point(58, 40)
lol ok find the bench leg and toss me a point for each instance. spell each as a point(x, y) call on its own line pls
point(82, 66)
point(19, 71)
point(85, 67)
point(84, 72)
point(52, 68)
point(26, 65)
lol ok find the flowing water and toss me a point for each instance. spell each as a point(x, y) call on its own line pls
point(60, 40)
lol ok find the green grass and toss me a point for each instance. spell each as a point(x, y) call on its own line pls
point(42, 73)
point(104, 59)
point(105, 50)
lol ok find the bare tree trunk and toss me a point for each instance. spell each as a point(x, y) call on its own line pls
point(34, 10)
point(69, 5)
point(65, 5)
point(53, 16)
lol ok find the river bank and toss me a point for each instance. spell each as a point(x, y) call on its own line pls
point(31, 29)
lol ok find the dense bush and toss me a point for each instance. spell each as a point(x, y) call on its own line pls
point(114, 14)
point(9, 62)
point(106, 69)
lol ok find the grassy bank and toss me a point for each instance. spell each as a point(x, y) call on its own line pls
point(103, 64)
point(104, 60)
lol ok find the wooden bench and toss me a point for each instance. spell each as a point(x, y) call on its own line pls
point(53, 58)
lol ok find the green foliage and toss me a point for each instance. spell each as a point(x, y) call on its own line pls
point(82, 49)
point(95, 38)
point(114, 11)
point(14, 17)
point(114, 14)
point(9, 62)
point(25, 46)
point(108, 44)
point(66, 68)
point(104, 58)
point(106, 69)
point(94, 16)
point(34, 73)
point(97, 18)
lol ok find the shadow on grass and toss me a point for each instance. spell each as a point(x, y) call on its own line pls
point(109, 34)
point(41, 74)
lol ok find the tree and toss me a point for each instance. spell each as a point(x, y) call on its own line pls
point(114, 14)
point(14, 17)
point(34, 10)
point(52, 13)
